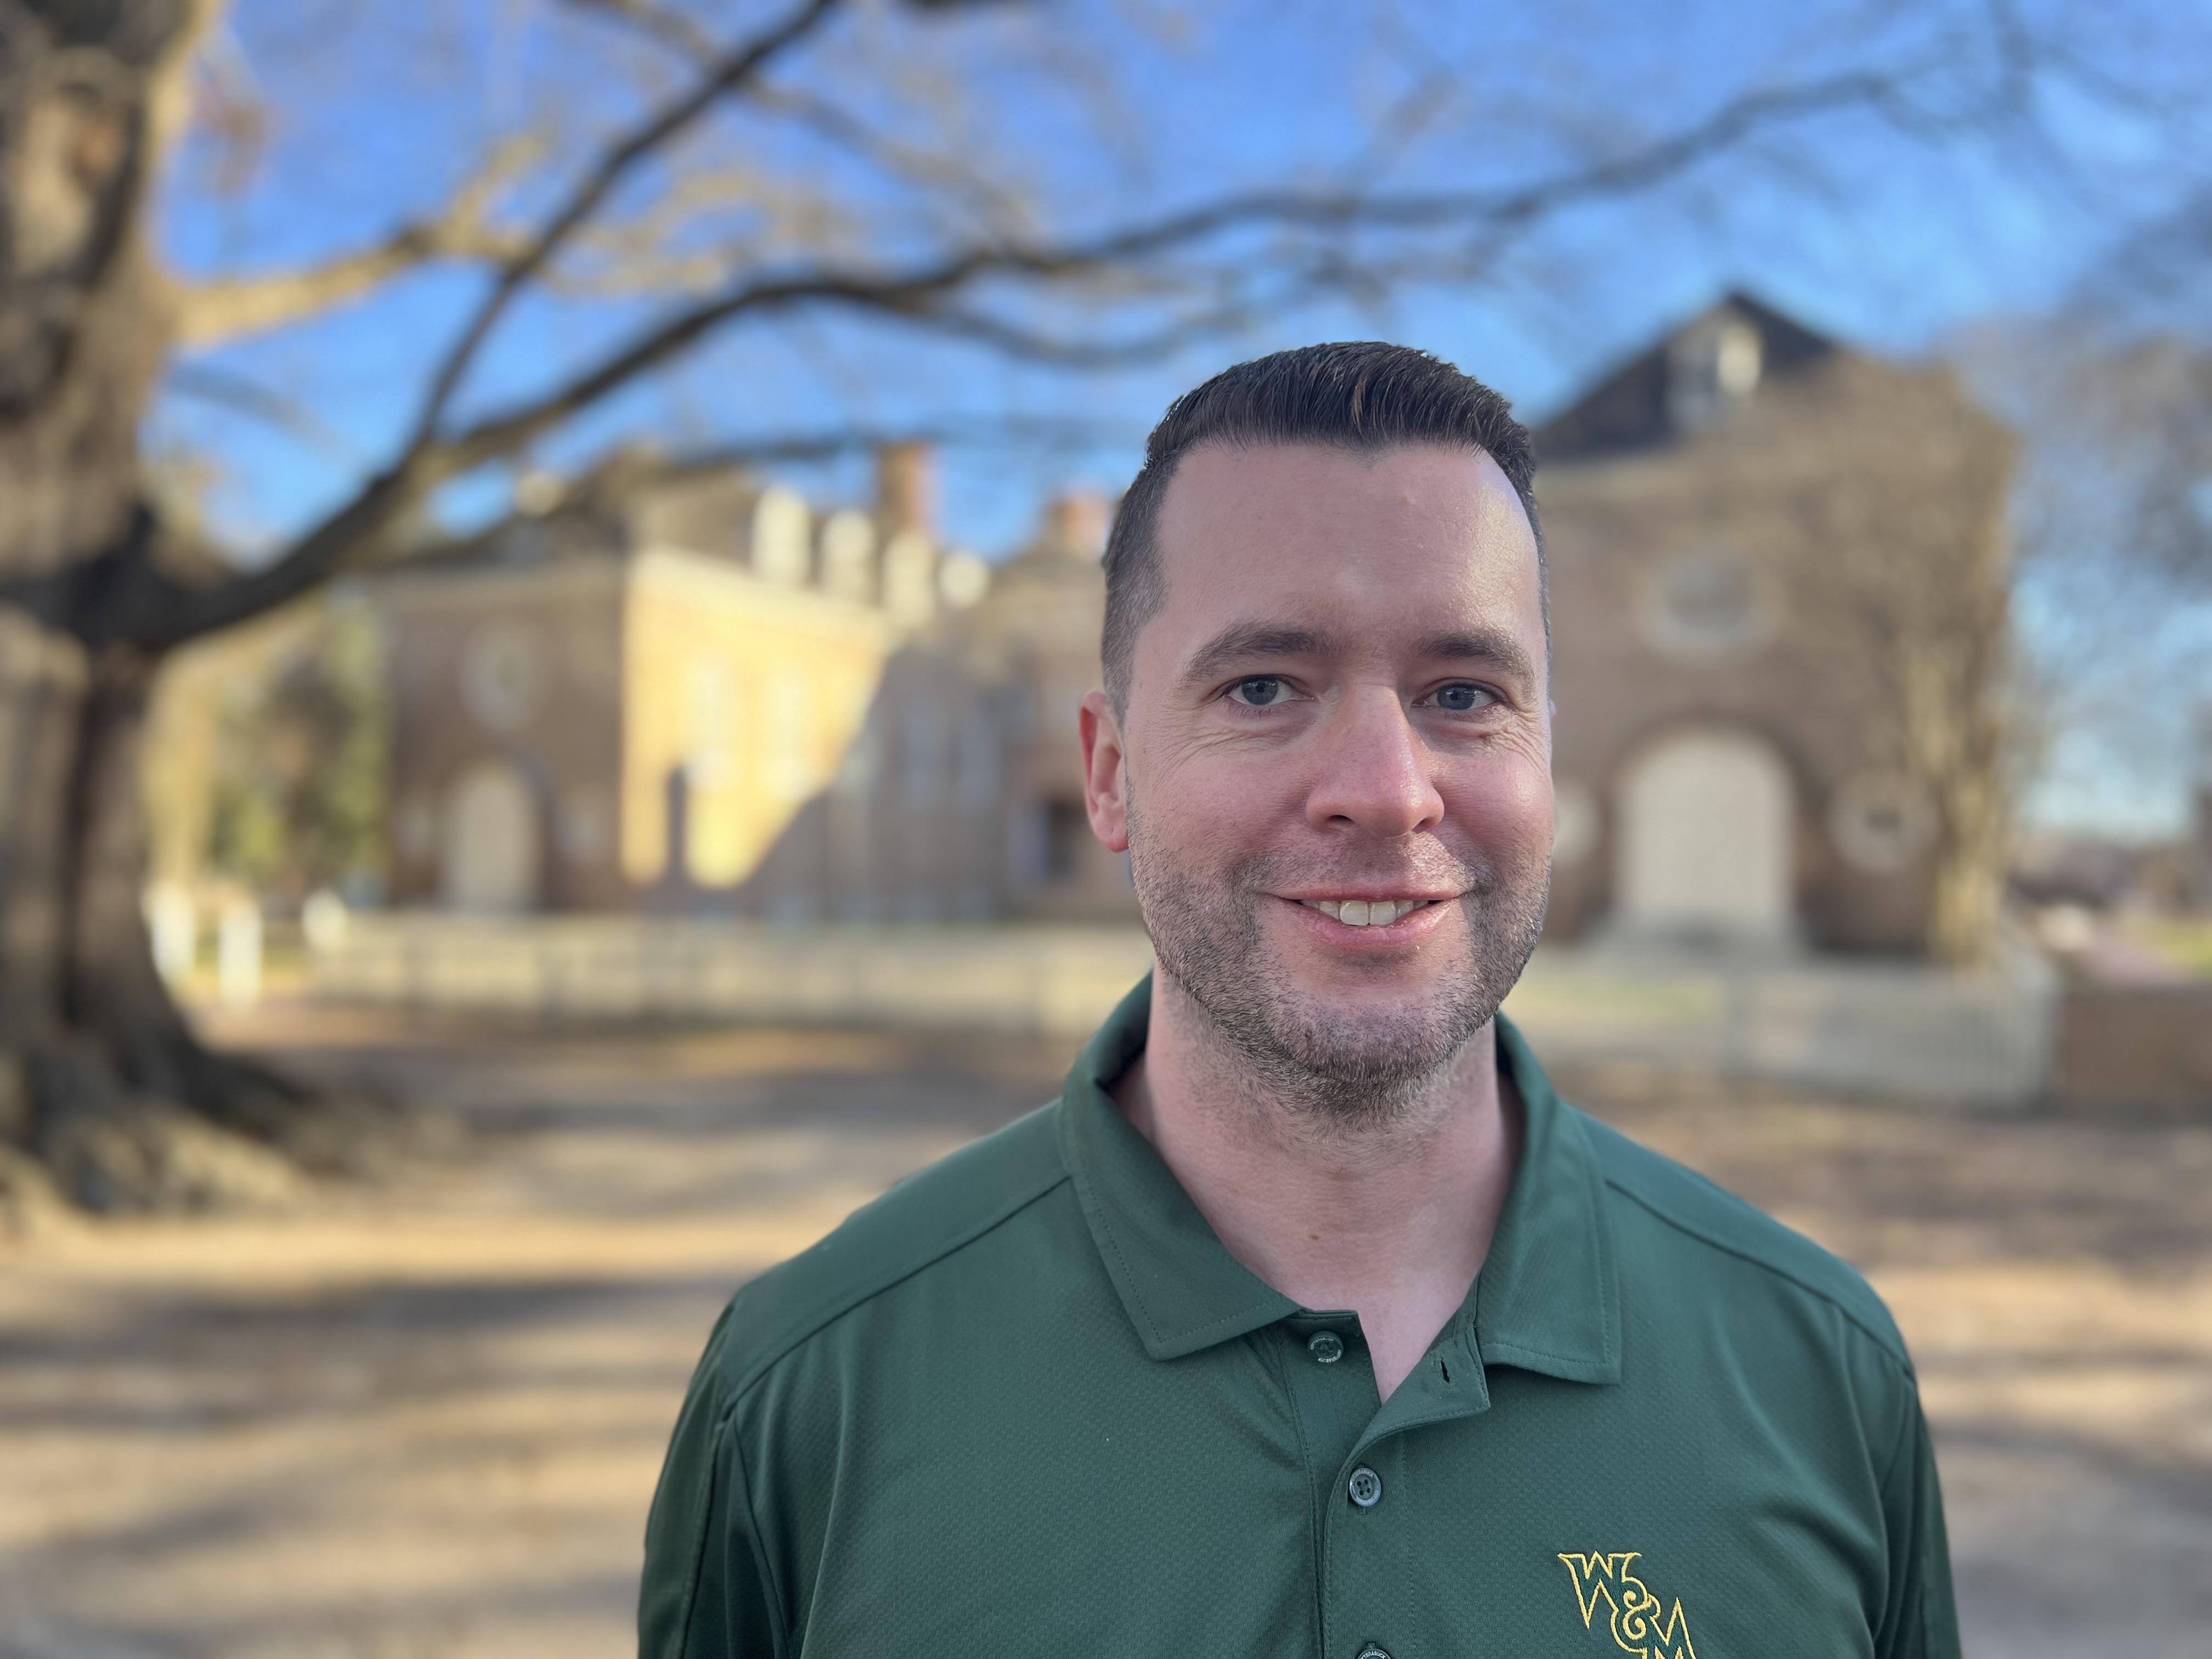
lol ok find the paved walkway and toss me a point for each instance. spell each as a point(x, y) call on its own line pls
point(425, 1418)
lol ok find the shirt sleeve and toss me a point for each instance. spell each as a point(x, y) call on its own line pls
point(706, 1592)
point(1921, 1620)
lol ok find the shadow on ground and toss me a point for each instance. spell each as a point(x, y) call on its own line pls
point(425, 1416)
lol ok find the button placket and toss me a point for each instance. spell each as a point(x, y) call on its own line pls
point(1330, 1378)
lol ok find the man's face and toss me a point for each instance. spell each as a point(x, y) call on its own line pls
point(1333, 772)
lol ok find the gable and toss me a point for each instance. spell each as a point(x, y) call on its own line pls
point(1646, 402)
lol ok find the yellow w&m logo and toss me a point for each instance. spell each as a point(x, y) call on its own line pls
point(1632, 1610)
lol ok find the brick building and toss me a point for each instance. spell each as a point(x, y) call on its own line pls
point(700, 695)
point(1778, 598)
point(1778, 595)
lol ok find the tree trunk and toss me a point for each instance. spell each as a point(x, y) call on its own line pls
point(1952, 659)
point(1954, 731)
point(115, 1097)
point(100, 1081)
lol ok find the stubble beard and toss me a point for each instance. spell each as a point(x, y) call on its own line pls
point(1346, 1072)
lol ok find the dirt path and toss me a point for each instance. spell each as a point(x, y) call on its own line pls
point(2054, 1279)
point(425, 1419)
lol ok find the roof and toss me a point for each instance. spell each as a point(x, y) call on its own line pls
point(1641, 404)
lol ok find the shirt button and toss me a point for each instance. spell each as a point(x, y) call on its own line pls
point(1326, 1346)
point(1370, 1651)
point(1365, 1487)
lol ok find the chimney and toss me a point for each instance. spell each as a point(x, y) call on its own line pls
point(1076, 523)
point(905, 490)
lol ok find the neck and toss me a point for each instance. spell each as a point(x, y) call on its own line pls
point(1387, 1214)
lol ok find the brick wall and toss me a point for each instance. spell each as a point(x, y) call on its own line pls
point(2137, 1045)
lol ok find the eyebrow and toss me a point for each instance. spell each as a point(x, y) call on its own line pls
point(1241, 641)
point(1492, 645)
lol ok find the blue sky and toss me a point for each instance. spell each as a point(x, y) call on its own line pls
point(1095, 111)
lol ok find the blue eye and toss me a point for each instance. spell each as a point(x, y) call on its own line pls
point(1463, 698)
point(1258, 691)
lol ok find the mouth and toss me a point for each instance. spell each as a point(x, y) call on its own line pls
point(1368, 913)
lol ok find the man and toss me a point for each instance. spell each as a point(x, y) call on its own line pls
point(1309, 1320)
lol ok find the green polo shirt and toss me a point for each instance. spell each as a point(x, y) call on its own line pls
point(1026, 1403)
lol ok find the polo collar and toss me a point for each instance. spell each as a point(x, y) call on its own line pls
point(1548, 1296)
point(1182, 1289)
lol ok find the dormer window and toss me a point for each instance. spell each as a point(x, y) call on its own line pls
point(1710, 368)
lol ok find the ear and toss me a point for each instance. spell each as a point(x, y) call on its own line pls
point(1105, 772)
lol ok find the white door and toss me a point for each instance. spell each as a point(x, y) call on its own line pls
point(490, 854)
point(1704, 844)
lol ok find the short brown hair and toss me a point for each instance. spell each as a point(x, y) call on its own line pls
point(1360, 395)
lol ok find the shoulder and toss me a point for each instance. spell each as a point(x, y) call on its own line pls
point(1711, 1222)
point(926, 1218)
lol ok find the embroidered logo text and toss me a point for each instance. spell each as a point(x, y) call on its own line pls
point(1632, 1612)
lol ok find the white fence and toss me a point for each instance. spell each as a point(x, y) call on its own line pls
point(1892, 1030)
point(1865, 1028)
point(1056, 981)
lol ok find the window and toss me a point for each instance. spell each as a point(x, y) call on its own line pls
point(504, 675)
point(978, 780)
point(1709, 605)
point(1710, 368)
point(923, 744)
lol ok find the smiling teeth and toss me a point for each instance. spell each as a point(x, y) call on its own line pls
point(1364, 912)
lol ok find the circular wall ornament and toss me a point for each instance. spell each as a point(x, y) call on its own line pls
point(1709, 605)
point(1880, 822)
point(504, 674)
point(583, 826)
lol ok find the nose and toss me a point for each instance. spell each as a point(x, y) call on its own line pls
point(1375, 772)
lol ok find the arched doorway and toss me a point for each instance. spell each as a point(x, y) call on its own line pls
point(490, 852)
point(1706, 831)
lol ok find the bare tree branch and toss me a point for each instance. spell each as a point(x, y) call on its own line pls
point(832, 442)
point(1000, 208)
point(619, 475)
point(1038, 346)
point(735, 68)
point(264, 403)
point(211, 312)
point(671, 28)
point(927, 295)
point(1496, 213)
point(622, 468)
